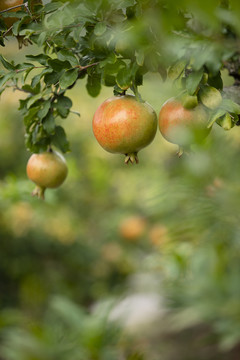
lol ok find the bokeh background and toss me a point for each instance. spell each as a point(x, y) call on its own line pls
point(121, 262)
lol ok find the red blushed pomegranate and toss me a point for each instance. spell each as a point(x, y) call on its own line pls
point(182, 126)
point(124, 125)
point(46, 170)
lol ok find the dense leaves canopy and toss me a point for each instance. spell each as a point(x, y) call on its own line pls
point(115, 43)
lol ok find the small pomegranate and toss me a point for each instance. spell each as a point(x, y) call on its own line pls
point(132, 228)
point(46, 170)
point(183, 126)
point(123, 125)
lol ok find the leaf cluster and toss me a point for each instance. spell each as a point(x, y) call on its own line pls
point(113, 43)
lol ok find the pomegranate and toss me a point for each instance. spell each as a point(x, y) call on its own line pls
point(183, 126)
point(132, 228)
point(6, 4)
point(46, 170)
point(123, 125)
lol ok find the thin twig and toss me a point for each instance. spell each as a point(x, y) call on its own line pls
point(12, 8)
point(34, 67)
point(8, 30)
point(87, 66)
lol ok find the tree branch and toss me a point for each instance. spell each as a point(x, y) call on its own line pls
point(12, 8)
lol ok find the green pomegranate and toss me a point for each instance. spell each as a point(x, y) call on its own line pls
point(46, 170)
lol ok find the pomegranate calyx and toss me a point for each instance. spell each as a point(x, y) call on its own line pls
point(39, 192)
point(180, 151)
point(131, 158)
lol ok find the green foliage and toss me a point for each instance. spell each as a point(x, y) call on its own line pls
point(113, 43)
point(70, 247)
point(61, 260)
point(66, 331)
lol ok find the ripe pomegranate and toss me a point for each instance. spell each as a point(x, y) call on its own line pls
point(46, 170)
point(132, 228)
point(123, 125)
point(6, 4)
point(183, 126)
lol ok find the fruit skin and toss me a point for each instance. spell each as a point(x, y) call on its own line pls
point(6, 4)
point(46, 170)
point(132, 227)
point(174, 118)
point(123, 125)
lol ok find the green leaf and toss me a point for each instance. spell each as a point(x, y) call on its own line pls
point(35, 133)
point(215, 116)
point(215, 81)
point(23, 104)
point(59, 139)
point(113, 68)
point(42, 38)
point(139, 57)
point(67, 55)
point(100, 29)
point(27, 33)
point(5, 78)
point(27, 72)
point(30, 117)
point(93, 84)
point(111, 59)
point(49, 123)
point(24, 66)
point(68, 78)
point(58, 65)
point(68, 311)
point(44, 109)
point(124, 78)
point(52, 78)
point(33, 99)
point(48, 8)
point(63, 106)
point(125, 3)
point(176, 70)
point(108, 80)
point(30, 89)
point(193, 80)
point(36, 79)
point(17, 25)
point(7, 64)
point(41, 58)
point(226, 122)
point(138, 78)
point(230, 106)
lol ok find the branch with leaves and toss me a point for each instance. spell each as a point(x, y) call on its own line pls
point(115, 44)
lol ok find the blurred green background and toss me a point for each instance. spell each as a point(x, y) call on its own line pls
point(120, 262)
